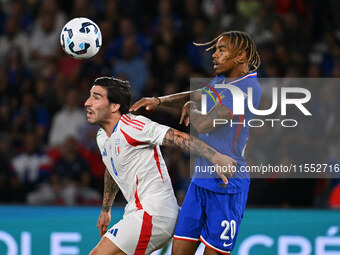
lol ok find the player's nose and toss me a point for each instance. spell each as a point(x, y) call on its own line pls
point(214, 55)
point(87, 102)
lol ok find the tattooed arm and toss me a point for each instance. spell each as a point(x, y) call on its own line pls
point(203, 123)
point(179, 99)
point(110, 191)
point(196, 146)
point(174, 101)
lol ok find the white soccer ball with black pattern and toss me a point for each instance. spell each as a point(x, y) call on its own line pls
point(81, 38)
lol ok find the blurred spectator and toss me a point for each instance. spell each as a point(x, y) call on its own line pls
point(68, 67)
point(31, 165)
point(166, 34)
point(200, 59)
point(127, 32)
point(213, 8)
point(5, 117)
point(314, 71)
point(331, 55)
point(163, 71)
point(5, 170)
point(44, 40)
point(22, 12)
point(334, 161)
point(68, 121)
point(182, 75)
point(18, 73)
point(82, 8)
point(166, 12)
point(330, 191)
point(259, 26)
point(112, 13)
point(13, 37)
point(109, 31)
point(93, 156)
point(30, 117)
point(189, 15)
point(8, 102)
point(334, 199)
point(47, 96)
point(132, 68)
point(73, 173)
point(90, 70)
point(70, 180)
point(248, 8)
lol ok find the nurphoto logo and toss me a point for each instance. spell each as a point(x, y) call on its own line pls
point(239, 98)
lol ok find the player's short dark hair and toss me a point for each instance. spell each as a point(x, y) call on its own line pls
point(118, 91)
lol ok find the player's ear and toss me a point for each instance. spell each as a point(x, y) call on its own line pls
point(115, 107)
point(241, 58)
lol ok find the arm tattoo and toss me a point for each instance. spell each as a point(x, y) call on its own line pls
point(179, 99)
point(176, 100)
point(110, 191)
point(188, 143)
point(204, 123)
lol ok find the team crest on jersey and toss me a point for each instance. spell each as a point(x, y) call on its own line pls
point(117, 143)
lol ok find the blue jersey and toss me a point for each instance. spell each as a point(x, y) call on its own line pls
point(229, 138)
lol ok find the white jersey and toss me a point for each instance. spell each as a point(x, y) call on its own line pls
point(133, 158)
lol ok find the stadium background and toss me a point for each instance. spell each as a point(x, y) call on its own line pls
point(48, 154)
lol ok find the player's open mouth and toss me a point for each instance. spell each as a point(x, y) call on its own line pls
point(89, 113)
point(216, 64)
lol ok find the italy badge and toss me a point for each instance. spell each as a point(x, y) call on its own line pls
point(117, 142)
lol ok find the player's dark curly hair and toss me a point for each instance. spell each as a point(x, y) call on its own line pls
point(238, 42)
point(118, 91)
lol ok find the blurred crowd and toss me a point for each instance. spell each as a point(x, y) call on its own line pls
point(48, 152)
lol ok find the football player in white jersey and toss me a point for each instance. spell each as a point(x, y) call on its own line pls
point(129, 146)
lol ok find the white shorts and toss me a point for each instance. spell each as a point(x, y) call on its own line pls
point(140, 233)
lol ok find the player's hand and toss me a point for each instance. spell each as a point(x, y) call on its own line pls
point(103, 222)
point(150, 103)
point(185, 114)
point(223, 166)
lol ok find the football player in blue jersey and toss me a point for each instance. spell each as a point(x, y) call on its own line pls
point(213, 207)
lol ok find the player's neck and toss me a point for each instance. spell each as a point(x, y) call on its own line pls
point(237, 73)
point(110, 125)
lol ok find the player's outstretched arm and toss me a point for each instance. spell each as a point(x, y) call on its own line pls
point(191, 112)
point(110, 191)
point(174, 101)
point(194, 145)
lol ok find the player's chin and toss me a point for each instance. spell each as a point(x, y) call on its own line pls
point(222, 72)
point(218, 73)
point(91, 121)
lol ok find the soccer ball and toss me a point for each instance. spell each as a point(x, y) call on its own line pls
point(81, 38)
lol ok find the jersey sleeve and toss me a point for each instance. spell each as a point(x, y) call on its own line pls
point(141, 130)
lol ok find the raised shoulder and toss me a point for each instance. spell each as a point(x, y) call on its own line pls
point(136, 122)
point(139, 130)
point(140, 118)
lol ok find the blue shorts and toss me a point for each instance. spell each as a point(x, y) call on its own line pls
point(210, 217)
